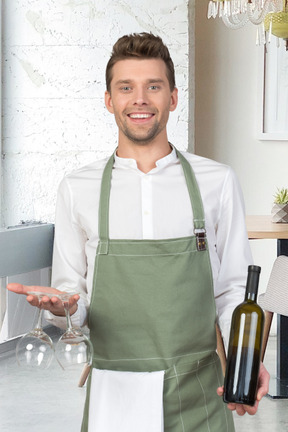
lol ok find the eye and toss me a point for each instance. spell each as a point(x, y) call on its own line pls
point(125, 88)
point(154, 87)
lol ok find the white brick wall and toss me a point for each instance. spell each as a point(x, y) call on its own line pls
point(54, 118)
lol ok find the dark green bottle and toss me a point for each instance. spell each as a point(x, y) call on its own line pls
point(245, 343)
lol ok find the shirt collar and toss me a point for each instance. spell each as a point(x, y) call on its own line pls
point(131, 163)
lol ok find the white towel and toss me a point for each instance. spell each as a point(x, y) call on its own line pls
point(126, 401)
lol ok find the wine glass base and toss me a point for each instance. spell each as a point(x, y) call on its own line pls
point(73, 350)
point(35, 349)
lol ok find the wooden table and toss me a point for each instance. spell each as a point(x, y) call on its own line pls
point(261, 227)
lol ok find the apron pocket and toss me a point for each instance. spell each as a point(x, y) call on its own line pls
point(126, 401)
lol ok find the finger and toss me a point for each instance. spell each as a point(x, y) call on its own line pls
point(220, 391)
point(231, 406)
point(53, 305)
point(17, 288)
point(56, 301)
point(41, 302)
point(264, 386)
point(73, 308)
point(73, 300)
point(24, 289)
point(251, 410)
point(262, 392)
point(56, 304)
point(32, 300)
point(240, 409)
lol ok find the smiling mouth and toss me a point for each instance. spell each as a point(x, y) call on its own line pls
point(140, 115)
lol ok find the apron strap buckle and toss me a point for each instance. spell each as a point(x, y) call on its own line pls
point(200, 239)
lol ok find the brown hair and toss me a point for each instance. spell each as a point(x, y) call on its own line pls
point(140, 45)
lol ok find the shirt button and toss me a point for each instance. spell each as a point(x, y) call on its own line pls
point(146, 213)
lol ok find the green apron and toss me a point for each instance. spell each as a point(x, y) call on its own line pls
point(152, 309)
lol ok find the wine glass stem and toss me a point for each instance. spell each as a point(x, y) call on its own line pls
point(68, 317)
point(39, 319)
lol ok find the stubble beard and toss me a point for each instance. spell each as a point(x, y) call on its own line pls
point(143, 138)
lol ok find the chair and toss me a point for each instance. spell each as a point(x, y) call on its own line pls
point(275, 299)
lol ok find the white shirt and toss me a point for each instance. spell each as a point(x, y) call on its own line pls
point(155, 205)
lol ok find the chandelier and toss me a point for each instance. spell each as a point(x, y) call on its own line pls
point(270, 16)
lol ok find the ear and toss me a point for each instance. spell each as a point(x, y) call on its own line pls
point(174, 99)
point(108, 102)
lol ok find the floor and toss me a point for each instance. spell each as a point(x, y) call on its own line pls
point(51, 401)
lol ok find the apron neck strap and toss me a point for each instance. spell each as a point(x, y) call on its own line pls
point(194, 193)
point(193, 189)
point(103, 220)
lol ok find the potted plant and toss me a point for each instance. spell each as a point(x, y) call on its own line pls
point(280, 206)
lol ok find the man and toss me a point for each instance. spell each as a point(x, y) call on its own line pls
point(169, 235)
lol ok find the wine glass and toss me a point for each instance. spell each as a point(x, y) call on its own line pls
point(36, 348)
point(74, 348)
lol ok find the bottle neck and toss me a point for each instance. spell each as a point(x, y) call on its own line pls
point(251, 296)
point(252, 283)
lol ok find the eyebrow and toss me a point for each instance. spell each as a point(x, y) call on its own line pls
point(149, 81)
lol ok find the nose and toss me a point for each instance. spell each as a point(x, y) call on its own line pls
point(140, 96)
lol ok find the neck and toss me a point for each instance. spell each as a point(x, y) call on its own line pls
point(146, 155)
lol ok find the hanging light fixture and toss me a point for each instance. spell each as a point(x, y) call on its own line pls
point(270, 16)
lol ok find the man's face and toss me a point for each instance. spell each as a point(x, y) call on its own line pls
point(140, 99)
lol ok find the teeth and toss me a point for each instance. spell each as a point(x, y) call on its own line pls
point(140, 116)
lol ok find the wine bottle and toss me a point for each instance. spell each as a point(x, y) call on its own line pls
point(245, 343)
